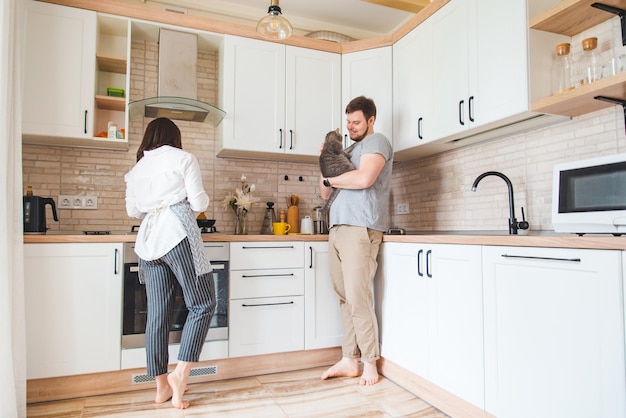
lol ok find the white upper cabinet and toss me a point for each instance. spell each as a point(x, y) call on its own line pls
point(479, 79)
point(480, 63)
point(71, 57)
point(369, 73)
point(413, 116)
point(59, 71)
point(278, 99)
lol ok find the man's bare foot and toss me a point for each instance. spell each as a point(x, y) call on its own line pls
point(370, 374)
point(178, 386)
point(346, 367)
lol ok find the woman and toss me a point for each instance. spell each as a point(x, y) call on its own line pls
point(164, 189)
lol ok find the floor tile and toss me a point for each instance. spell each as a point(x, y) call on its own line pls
point(297, 394)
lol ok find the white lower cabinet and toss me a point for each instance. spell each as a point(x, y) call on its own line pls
point(322, 318)
point(554, 333)
point(266, 305)
point(73, 298)
point(430, 314)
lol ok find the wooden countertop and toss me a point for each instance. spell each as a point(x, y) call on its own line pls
point(215, 237)
point(603, 242)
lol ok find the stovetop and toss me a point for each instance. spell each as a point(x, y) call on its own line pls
point(135, 228)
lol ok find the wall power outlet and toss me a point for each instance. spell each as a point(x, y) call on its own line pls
point(402, 209)
point(77, 202)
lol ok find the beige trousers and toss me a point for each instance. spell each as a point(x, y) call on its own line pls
point(352, 252)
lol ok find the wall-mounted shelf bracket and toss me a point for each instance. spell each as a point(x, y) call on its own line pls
point(620, 12)
point(620, 102)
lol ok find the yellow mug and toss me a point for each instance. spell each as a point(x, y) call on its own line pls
point(281, 228)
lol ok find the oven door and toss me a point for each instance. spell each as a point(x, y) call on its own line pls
point(135, 308)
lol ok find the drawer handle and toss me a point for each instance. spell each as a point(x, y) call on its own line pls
point(245, 305)
point(273, 248)
point(574, 260)
point(267, 275)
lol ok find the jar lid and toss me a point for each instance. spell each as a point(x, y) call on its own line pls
point(562, 49)
point(590, 43)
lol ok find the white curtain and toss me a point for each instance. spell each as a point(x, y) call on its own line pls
point(12, 322)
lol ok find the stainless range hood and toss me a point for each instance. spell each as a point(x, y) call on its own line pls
point(177, 83)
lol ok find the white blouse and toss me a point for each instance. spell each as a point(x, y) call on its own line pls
point(163, 177)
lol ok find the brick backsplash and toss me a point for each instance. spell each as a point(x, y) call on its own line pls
point(437, 188)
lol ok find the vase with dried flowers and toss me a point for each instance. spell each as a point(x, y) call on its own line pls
point(240, 202)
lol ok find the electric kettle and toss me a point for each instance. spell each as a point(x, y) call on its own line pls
point(35, 214)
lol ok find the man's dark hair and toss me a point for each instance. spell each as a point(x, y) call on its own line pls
point(363, 104)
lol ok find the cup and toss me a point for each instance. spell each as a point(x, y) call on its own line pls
point(281, 228)
point(306, 225)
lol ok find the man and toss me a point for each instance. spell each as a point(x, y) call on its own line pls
point(358, 217)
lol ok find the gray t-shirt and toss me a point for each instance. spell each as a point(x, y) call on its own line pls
point(366, 207)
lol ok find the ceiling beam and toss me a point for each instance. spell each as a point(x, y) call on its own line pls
point(411, 6)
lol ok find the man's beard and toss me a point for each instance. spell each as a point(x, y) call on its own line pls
point(359, 138)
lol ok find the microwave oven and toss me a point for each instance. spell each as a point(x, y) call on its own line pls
point(589, 196)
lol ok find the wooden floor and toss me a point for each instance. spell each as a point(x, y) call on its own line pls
point(291, 394)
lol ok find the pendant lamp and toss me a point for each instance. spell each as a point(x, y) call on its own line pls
point(274, 26)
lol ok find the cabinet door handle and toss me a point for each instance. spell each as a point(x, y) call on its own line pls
point(280, 142)
point(419, 128)
point(429, 264)
point(471, 108)
point(419, 264)
point(245, 276)
point(85, 122)
point(291, 139)
point(311, 254)
point(115, 270)
point(264, 248)
point(345, 141)
point(461, 112)
point(573, 260)
point(245, 305)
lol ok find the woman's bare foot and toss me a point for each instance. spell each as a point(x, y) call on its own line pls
point(346, 367)
point(164, 390)
point(370, 374)
point(178, 387)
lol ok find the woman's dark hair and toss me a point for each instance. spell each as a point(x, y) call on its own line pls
point(159, 132)
point(363, 104)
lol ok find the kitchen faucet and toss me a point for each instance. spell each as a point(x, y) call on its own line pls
point(513, 224)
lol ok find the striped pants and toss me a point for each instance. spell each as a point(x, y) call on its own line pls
point(199, 295)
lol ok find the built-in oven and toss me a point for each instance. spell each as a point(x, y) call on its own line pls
point(135, 303)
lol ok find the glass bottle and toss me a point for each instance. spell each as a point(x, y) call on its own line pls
point(589, 70)
point(562, 70)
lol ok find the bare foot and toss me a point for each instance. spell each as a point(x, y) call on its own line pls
point(178, 387)
point(163, 395)
point(163, 389)
point(346, 367)
point(370, 374)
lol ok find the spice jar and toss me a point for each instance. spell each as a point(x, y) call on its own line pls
point(562, 70)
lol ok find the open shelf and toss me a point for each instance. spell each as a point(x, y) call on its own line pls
point(570, 17)
point(111, 103)
point(111, 64)
point(581, 100)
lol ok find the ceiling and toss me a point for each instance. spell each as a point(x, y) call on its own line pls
point(355, 18)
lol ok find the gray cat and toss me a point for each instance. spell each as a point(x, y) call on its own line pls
point(334, 160)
